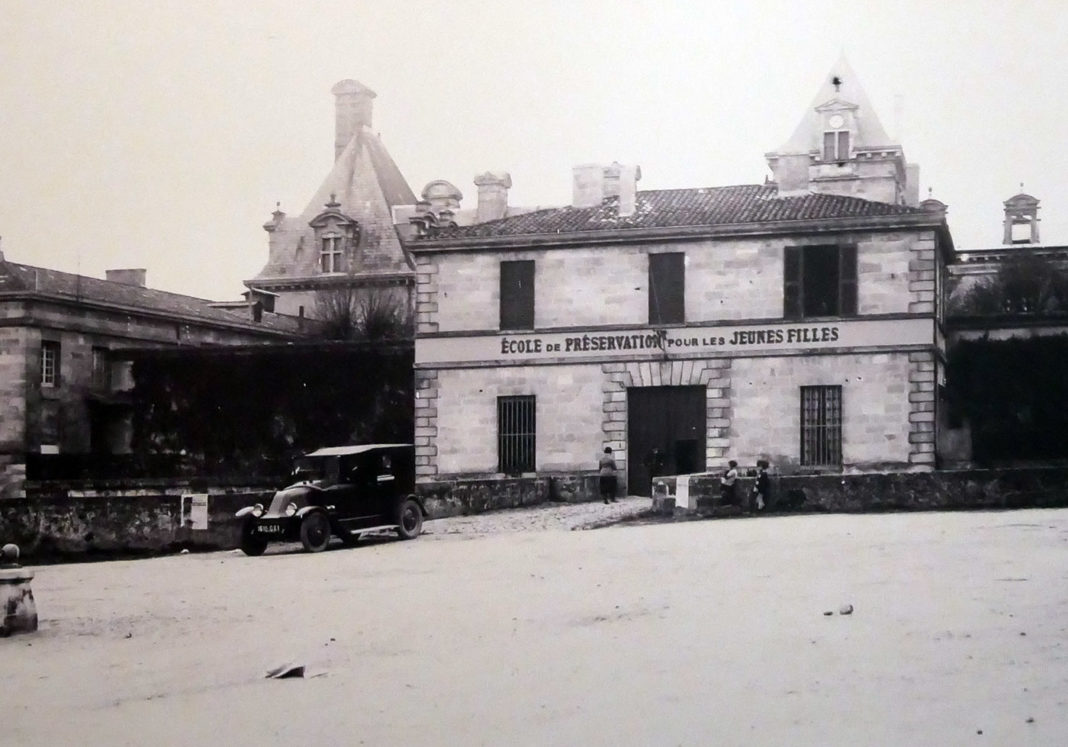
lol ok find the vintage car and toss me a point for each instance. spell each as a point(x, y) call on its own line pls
point(343, 491)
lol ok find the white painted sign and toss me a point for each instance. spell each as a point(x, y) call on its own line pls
point(658, 344)
point(682, 492)
point(195, 510)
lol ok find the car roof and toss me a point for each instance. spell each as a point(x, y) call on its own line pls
point(359, 449)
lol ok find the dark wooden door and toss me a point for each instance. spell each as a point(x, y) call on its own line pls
point(665, 433)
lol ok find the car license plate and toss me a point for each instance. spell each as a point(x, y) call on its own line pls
point(269, 529)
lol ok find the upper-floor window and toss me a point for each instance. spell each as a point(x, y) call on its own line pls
point(101, 369)
point(819, 281)
point(331, 253)
point(836, 145)
point(517, 294)
point(667, 288)
point(50, 363)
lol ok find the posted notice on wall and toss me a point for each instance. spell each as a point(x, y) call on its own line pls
point(195, 510)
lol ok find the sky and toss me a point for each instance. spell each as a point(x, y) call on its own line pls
point(161, 135)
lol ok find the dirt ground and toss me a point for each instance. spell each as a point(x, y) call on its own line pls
point(511, 629)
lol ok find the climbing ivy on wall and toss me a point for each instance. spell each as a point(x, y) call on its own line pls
point(249, 411)
point(1015, 395)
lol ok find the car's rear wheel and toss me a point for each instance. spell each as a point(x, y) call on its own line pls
point(250, 543)
point(315, 532)
point(409, 519)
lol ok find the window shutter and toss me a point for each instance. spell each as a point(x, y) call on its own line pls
point(828, 146)
point(843, 145)
point(791, 291)
point(847, 280)
point(667, 288)
point(517, 295)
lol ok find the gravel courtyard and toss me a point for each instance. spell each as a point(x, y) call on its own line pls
point(511, 628)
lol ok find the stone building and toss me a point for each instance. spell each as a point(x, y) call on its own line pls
point(59, 337)
point(797, 320)
point(344, 244)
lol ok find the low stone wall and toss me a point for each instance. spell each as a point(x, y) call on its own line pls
point(86, 525)
point(944, 490)
point(461, 497)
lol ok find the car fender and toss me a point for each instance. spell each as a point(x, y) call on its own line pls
point(419, 501)
point(246, 511)
point(301, 513)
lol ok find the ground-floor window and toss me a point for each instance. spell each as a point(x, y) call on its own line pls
point(821, 426)
point(516, 428)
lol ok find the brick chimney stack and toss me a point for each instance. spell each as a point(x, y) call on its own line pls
point(492, 195)
point(353, 106)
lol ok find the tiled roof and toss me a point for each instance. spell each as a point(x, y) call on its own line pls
point(668, 208)
point(19, 277)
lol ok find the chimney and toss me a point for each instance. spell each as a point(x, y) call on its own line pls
point(492, 195)
point(627, 184)
point(128, 277)
point(791, 174)
point(587, 186)
point(352, 111)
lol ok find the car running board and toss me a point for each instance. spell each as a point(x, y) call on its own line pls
point(365, 530)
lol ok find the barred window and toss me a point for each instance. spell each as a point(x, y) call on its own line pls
point(821, 426)
point(49, 363)
point(516, 428)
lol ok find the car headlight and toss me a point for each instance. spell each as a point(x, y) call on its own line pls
point(257, 510)
point(291, 508)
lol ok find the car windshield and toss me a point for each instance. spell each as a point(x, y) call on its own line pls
point(316, 469)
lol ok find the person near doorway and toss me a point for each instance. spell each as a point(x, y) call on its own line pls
point(760, 487)
point(607, 475)
point(726, 483)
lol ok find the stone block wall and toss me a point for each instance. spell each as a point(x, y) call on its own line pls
point(947, 490)
point(876, 405)
point(463, 497)
point(731, 279)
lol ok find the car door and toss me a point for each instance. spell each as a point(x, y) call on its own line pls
point(354, 494)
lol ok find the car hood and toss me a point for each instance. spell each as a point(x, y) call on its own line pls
point(298, 494)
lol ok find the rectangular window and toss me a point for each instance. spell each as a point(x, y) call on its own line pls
point(516, 428)
point(330, 255)
point(101, 369)
point(517, 294)
point(667, 288)
point(49, 363)
point(819, 281)
point(821, 426)
point(836, 145)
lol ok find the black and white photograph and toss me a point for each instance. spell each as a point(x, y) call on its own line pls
point(533, 373)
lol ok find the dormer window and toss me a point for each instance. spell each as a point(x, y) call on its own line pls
point(836, 145)
point(331, 254)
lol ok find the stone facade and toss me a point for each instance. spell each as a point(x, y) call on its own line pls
point(591, 345)
point(82, 320)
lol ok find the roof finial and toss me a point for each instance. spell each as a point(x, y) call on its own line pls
point(333, 201)
point(837, 83)
point(930, 192)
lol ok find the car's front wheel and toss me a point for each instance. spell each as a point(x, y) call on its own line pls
point(409, 519)
point(250, 543)
point(315, 532)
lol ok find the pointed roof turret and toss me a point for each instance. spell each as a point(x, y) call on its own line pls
point(840, 90)
point(840, 147)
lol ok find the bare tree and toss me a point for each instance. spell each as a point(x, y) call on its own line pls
point(349, 312)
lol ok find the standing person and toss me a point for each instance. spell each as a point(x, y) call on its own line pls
point(726, 483)
point(607, 475)
point(760, 487)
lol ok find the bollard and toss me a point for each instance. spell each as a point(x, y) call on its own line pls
point(18, 610)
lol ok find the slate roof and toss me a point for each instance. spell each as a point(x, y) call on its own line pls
point(15, 277)
point(676, 208)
